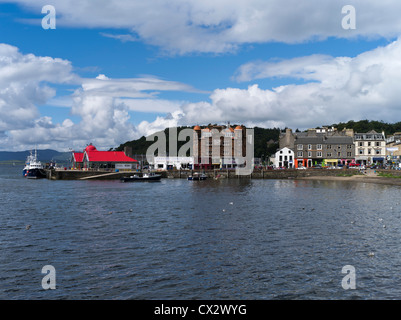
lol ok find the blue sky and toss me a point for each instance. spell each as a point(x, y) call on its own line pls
point(113, 71)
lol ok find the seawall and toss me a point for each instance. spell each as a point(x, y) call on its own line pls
point(183, 174)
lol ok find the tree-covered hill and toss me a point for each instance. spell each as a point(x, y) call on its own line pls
point(364, 126)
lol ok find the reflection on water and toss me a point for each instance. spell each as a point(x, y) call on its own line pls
point(213, 239)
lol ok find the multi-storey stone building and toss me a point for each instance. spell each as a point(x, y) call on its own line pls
point(322, 146)
point(370, 148)
point(219, 146)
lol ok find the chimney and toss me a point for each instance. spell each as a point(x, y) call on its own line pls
point(128, 151)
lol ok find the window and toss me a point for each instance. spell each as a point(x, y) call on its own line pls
point(300, 147)
point(369, 144)
point(290, 158)
point(349, 154)
point(378, 151)
point(319, 147)
point(281, 151)
point(309, 147)
point(339, 154)
point(285, 158)
point(309, 154)
point(329, 154)
point(319, 154)
point(329, 146)
point(360, 144)
point(377, 144)
point(349, 146)
point(360, 151)
point(300, 154)
point(369, 151)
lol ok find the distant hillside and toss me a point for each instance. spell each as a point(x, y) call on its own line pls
point(262, 137)
point(363, 126)
point(43, 155)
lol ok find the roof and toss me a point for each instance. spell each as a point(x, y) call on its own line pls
point(323, 139)
point(78, 156)
point(339, 140)
point(309, 140)
point(108, 156)
point(90, 148)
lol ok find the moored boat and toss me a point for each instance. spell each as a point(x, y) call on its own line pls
point(197, 176)
point(33, 168)
point(145, 177)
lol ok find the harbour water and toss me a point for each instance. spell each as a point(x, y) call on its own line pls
point(179, 239)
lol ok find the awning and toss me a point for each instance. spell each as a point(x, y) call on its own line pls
point(378, 159)
point(331, 160)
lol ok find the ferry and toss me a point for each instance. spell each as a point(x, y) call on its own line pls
point(33, 167)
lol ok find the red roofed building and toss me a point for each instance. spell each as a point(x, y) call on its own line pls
point(92, 158)
point(77, 160)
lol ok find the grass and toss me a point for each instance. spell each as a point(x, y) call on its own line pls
point(388, 175)
point(345, 174)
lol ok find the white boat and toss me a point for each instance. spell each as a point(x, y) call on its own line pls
point(33, 167)
point(197, 176)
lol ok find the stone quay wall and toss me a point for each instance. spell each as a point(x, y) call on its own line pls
point(183, 174)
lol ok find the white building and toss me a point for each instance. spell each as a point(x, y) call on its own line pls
point(284, 158)
point(370, 148)
point(168, 163)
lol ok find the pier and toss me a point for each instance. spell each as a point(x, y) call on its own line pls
point(53, 174)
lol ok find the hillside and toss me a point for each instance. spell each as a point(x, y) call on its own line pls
point(363, 126)
point(43, 155)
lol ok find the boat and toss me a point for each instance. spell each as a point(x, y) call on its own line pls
point(197, 176)
point(145, 177)
point(33, 167)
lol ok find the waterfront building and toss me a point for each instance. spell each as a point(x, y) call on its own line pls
point(320, 146)
point(77, 160)
point(393, 148)
point(218, 146)
point(91, 158)
point(284, 158)
point(370, 148)
point(169, 163)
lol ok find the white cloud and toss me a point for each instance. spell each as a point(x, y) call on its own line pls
point(188, 26)
point(151, 105)
point(337, 89)
point(23, 85)
point(102, 104)
point(146, 128)
point(121, 37)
